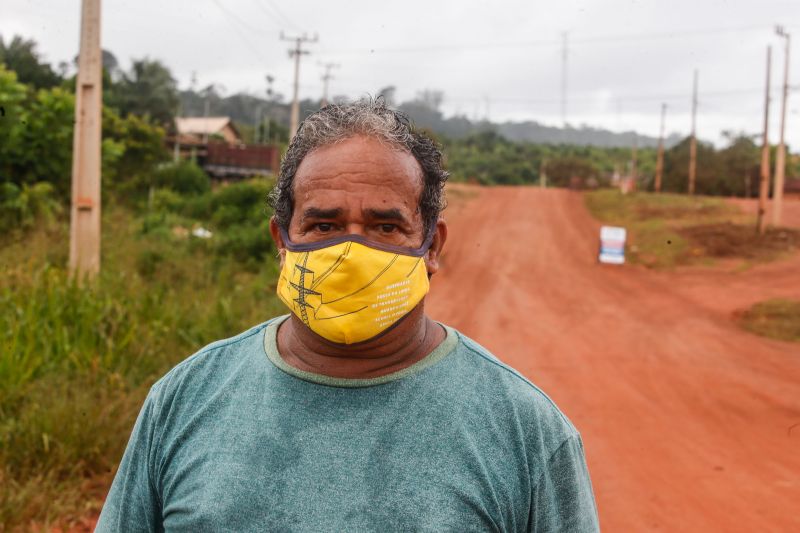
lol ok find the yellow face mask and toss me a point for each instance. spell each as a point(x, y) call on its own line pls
point(349, 289)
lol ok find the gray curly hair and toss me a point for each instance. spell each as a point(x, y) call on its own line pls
point(370, 117)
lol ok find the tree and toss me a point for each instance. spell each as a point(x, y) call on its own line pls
point(148, 90)
point(12, 97)
point(20, 55)
point(676, 168)
point(42, 124)
point(740, 161)
point(430, 98)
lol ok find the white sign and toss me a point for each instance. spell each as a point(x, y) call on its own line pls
point(612, 245)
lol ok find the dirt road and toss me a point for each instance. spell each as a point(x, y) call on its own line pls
point(690, 424)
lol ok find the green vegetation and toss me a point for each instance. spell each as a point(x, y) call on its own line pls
point(668, 230)
point(776, 319)
point(184, 264)
point(655, 221)
point(490, 159)
point(40, 122)
point(75, 363)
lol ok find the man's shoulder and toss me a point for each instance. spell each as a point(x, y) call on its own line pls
point(212, 363)
point(500, 384)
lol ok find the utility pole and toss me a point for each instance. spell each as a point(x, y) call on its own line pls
point(763, 191)
point(295, 53)
point(693, 140)
point(564, 54)
point(660, 158)
point(206, 109)
point(270, 79)
point(84, 241)
point(543, 174)
point(257, 125)
point(634, 162)
point(327, 77)
point(780, 157)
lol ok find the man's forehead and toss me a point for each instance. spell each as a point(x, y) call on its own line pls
point(359, 165)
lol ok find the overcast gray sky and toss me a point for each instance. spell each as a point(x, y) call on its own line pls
point(503, 58)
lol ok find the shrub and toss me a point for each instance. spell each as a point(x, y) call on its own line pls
point(22, 207)
point(184, 177)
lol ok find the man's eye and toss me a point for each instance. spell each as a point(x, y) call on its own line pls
point(324, 227)
point(388, 228)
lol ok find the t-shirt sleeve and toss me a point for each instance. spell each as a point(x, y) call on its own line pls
point(132, 504)
point(563, 500)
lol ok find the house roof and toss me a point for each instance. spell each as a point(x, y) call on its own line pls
point(202, 125)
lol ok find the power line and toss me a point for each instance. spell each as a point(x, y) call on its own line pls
point(275, 12)
point(598, 39)
point(233, 17)
point(270, 15)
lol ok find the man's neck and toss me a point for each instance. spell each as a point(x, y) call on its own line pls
point(402, 346)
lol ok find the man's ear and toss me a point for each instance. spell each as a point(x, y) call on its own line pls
point(433, 257)
point(275, 231)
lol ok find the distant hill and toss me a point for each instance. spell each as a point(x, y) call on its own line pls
point(240, 107)
point(536, 133)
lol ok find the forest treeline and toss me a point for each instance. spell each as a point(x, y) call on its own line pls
point(141, 102)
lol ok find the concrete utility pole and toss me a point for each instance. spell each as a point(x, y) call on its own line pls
point(763, 191)
point(295, 53)
point(326, 78)
point(564, 54)
point(660, 158)
point(206, 110)
point(270, 79)
point(84, 241)
point(257, 125)
point(780, 157)
point(693, 140)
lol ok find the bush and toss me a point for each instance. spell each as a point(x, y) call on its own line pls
point(184, 177)
point(23, 207)
point(249, 244)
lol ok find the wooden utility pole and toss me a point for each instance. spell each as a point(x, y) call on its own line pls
point(543, 174)
point(660, 157)
point(763, 191)
point(564, 56)
point(693, 140)
point(84, 239)
point(326, 78)
point(295, 53)
point(780, 157)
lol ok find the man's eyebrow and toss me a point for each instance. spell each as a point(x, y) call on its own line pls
point(385, 214)
point(316, 212)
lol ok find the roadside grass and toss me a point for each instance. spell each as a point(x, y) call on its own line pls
point(76, 362)
point(669, 230)
point(777, 319)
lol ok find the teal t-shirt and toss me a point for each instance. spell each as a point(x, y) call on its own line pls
point(234, 439)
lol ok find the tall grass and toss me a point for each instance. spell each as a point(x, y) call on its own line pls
point(77, 361)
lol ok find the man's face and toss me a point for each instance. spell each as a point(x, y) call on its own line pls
point(359, 186)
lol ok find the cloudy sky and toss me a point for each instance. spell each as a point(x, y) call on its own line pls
point(502, 58)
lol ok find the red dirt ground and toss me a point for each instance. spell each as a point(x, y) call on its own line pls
point(689, 423)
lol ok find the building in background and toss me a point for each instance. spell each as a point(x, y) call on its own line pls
point(216, 145)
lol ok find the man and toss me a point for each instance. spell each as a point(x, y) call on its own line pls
point(356, 412)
